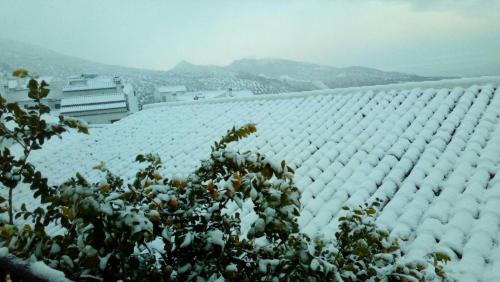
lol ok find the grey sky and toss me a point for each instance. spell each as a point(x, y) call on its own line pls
point(431, 37)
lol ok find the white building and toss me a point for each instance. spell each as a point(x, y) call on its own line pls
point(98, 100)
point(169, 93)
point(216, 94)
point(15, 89)
point(178, 94)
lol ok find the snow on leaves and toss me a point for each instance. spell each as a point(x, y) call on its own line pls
point(181, 229)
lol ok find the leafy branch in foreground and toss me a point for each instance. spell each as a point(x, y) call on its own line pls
point(28, 130)
point(181, 229)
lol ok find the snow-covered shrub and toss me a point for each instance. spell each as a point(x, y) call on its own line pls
point(28, 130)
point(365, 252)
point(182, 229)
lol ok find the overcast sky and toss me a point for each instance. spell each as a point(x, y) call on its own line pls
point(430, 37)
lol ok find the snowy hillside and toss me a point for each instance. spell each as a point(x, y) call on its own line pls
point(49, 63)
point(330, 76)
point(259, 76)
point(431, 151)
point(295, 75)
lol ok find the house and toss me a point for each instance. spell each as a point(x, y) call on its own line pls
point(97, 100)
point(169, 93)
point(230, 93)
point(15, 89)
point(430, 151)
point(206, 94)
point(91, 84)
point(219, 94)
point(104, 108)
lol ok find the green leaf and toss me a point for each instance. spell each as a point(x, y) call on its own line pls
point(44, 109)
point(82, 129)
point(442, 257)
point(267, 171)
point(44, 93)
point(20, 73)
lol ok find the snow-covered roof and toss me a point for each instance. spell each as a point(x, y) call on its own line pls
point(89, 84)
point(168, 89)
point(93, 102)
point(92, 99)
point(430, 150)
point(212, 94)
point(93, 107)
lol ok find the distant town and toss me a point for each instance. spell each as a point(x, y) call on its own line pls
point(100, 99)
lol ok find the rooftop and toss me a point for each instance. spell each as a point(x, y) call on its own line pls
point(93, 107)
point(168, 89)
point(93, 102)
point(430, 150)
point(92, 99)
point(216, 94)
point(88, 82)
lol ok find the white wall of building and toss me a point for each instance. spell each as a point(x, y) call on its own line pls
point(165, 96)
point(101, 117)
point(15, 91)
point(91, 92)
point(169, 93)
point(132, 101)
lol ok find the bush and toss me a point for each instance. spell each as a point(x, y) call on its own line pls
point(183, 229)
point(29, 130)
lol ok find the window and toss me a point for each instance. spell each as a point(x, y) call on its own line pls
point(57, 106)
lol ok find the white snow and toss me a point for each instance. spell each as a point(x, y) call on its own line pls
point(430, 150)
point(40, 269)
point(216, 237)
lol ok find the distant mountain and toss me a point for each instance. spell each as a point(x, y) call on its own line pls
point(187, 68)
point(261, 76)
point(15, 54)
point(293, 71)
point(46, 62)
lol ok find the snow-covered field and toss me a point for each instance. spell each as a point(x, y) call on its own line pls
point(430, 150)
